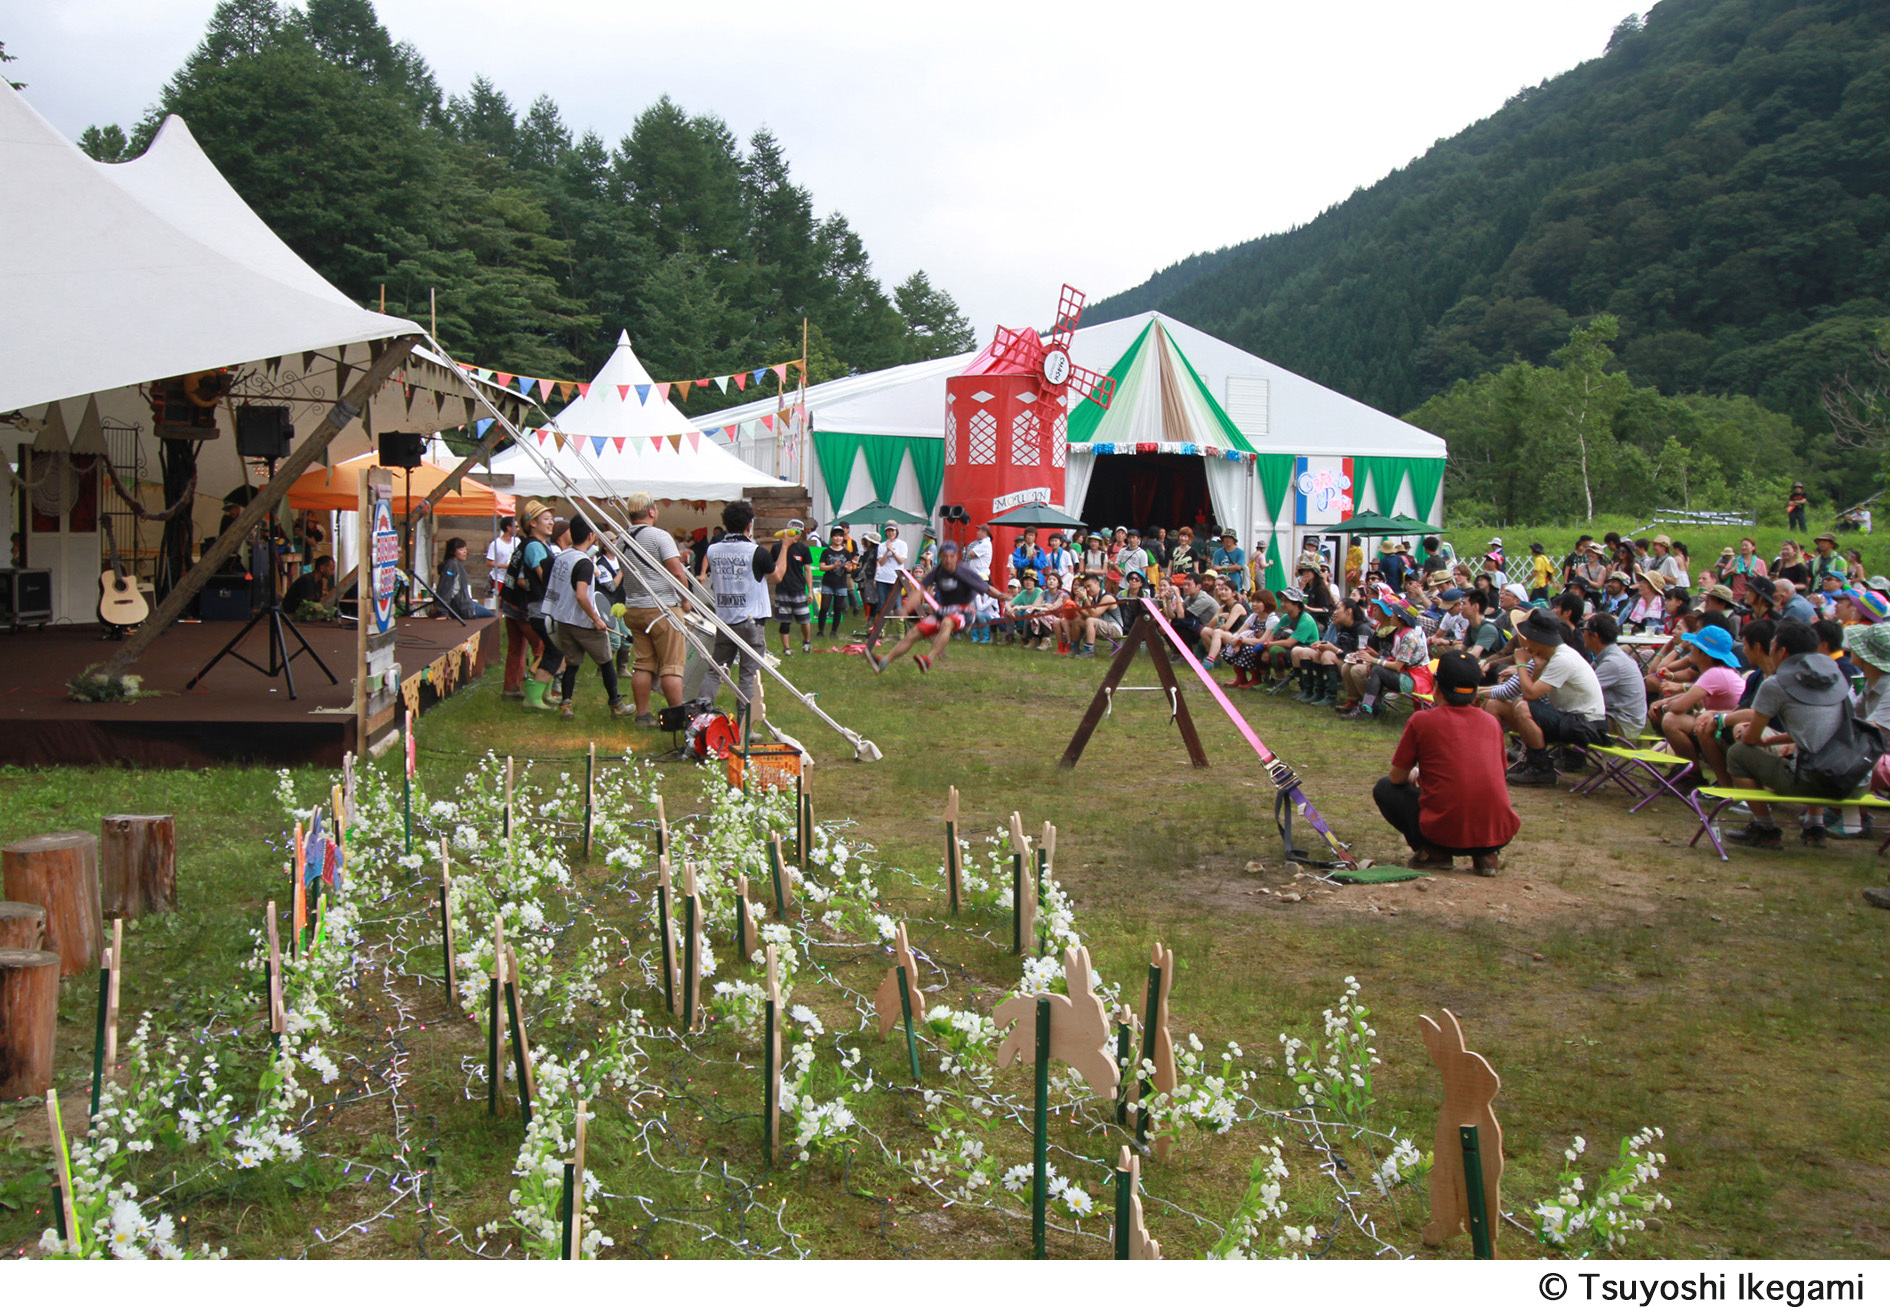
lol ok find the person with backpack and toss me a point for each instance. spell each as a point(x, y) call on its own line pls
point(582, 630)
point(739, 573)
point(1804, 703)
point(521, 603)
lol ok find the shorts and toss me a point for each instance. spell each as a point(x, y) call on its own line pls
point(1770, 770)
point(1559, 727)
point(658, 641)
point(575, 642)
point(932, 623)
point(790, 606)
point(1110, 627)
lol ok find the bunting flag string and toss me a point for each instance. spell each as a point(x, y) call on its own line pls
point(524, 386)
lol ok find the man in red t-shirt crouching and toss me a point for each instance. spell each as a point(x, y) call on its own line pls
point(1446, 793)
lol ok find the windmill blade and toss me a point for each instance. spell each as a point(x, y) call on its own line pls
point(1022, 348)
point(1092, 386)
point(1069, 313)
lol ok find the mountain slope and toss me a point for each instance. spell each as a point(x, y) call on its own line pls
point(1719, 180)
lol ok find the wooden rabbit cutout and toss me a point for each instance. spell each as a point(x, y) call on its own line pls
point(1470, 1085)
point(1079, 1027)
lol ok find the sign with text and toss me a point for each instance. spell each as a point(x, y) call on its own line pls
point(376, 675)
point(1017, 498)
point(386, 561)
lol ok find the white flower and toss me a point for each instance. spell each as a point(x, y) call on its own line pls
point(1078, 1201)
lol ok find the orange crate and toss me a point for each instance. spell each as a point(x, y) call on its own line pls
point(772, 766)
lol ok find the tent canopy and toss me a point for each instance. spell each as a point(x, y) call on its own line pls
point(623, 435)
point(877, 512)
point(324, 490)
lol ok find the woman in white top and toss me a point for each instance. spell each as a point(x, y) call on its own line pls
point(499, 553)
point(891, 558)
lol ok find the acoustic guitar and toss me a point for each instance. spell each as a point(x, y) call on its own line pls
point(121, 605)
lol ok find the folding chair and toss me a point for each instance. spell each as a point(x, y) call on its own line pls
point(1625, 767)
point(1725, 797)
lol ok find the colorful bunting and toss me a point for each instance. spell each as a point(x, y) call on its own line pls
point(544, 388)
point(597, 444)
point(761, 375)
point(480, 427)
point(767, 420)
point(723, 383)
point(662, 392)
point(780, 372)
point(695, 440)
point(564, 390)
point(741, 382)
point(584, 389)
point(503, 379)
point(656, 442)
point(675, 441)
point(623, 393)
point(643, 394)
point(618, 442)
point(682, 390)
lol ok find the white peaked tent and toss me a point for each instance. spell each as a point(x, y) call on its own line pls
point(622, 435)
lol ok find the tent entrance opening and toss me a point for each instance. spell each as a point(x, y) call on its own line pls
point(1142, 490)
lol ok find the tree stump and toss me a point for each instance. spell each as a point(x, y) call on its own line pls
point(137, 866)
point(60, 873)
point(29, 1014)
point(22, 925)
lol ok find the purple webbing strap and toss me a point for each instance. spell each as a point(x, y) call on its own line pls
point(1282, 775)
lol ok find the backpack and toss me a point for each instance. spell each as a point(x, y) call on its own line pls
point(1836, 768)
point(522, 586)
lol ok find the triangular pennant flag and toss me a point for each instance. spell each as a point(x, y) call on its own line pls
point(544, 388)
point(541, 435)
point(656, 442)
point(273, 364)
point(623, 393)
point(525, 385)
point(695, 440)
point(341, 376)
point(643, 394)
point(502, 378)
point(597, 444)
point(741, 380)
point(472, 406)
point(682, 390)
point(558, 436)
point(408, 390)
point(713, 432)
point(308, 360)
point(723, 383)
point(584, 389)
point(662, 391)
point(481, 427)
point(780, 372)
point(767, 420)
point(704, 383)
point(675, 440)
point(564, 390)
point(618, 442)
point(761, 375)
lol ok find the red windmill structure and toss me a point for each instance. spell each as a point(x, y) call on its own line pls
point(998, 414)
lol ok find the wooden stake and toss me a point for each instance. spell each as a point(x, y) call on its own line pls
point(1131, 1235)
point(744, 924)
point(448, 956)
point(278, 1018)
point(1039, 1190)
point(1023, 891)
point(341, 814)
point(1157, 1045)
point(662, 829)
point(894, 999)
point(574, 1227)
point(508, 809)
point(63, 1160)
point(954, 867)
point(1470, 1089)
point(1079, 1032)
point(98, 1037)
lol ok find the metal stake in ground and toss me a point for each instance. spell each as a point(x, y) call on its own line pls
point(771, 1064)
point(450, 962)
point(783, 887)
point(954, 870)
point(277, 1018)
point(1040, 1154)
point(1046, 858)
point(692, 946)
point(1125, 1046)
point(1131, 1235)
point(662, 830)
point(63, 1160)
point(574, 1194)
point(107, 982)
point(590, 772)
point(508, 811)
point(521, 1044)
point(494, 1017)
point(406, 785)
point(1023, 891)
point(667, 932)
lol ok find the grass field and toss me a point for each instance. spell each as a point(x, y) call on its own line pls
point(1614, 978)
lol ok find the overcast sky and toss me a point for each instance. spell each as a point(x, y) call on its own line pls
point(1003, 147)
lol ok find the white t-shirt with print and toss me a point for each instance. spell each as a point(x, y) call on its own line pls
point(1573, 687)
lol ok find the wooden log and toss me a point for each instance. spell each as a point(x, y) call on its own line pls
point(29, 1017)
point(22, 925)
point(137, 865)
point(60, 873)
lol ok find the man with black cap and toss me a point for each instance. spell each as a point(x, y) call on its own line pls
point(790, 592)
point(1560, 701)
point(1804, 703)
point(1445, 792)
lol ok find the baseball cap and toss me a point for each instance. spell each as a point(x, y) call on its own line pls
point(1451, 595)
point(1458, 676)
point(1294, 594)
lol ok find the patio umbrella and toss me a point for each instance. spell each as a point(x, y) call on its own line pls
point(1374, 524)
point(878, 514)
point(1035, 515)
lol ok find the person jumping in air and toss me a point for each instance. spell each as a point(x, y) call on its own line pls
point(956, 588)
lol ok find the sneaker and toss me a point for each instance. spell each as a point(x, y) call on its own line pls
point(1086, 651)
point(1427, 858)
point(924, 661)
point(878, 664)
point(1811, 836)
point(806, 647)
point(1877, 896)
point(623, 708)
point(1755, 835)
point(786, 651)
point(512, 694)
point(1486, 864)
point(647, 720)
point(567, 711)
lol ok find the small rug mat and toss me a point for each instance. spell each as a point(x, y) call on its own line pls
point(1376, 875)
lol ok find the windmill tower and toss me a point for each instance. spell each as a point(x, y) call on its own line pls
point(1007, 422)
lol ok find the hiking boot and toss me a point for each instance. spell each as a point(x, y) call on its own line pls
point(1755, 835)
point(1878, 896)
point(924, 661)
point(647, 720)
point(1357, 712)
point(1572, 760)
point(1428, 858)
point(1535, 769)
point(1486, 864)
point(1811, 836)
point(623, 708)
point(567, 711)
point(786, 650)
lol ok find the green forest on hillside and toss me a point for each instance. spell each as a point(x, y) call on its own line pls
point(541, 242)
point(1717, 183)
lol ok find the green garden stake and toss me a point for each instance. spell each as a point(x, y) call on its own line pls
point(691, 957)
point(1125, 1207)
point(667, 935)
point(567, 1206)
point(590, 771)
point(1125, 1037)
point(98, 1039)
point(1017, 904)
point(1151, 1018)
point(777, 868)
point(492, 1045)
point(1040, 1162)
point(520, 1053)
point(905, 1004)
point(770, 1045)
point(1479, 1215)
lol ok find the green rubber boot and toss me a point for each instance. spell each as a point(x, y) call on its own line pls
point(1329, 682)
point(1308, 691)
point(535, 696)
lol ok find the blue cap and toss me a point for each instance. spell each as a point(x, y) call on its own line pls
point(1451, 595)
point(1716, 643)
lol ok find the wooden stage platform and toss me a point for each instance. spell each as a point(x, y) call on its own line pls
point(234, 715)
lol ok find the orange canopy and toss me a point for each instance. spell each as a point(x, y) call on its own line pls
point(335, 491)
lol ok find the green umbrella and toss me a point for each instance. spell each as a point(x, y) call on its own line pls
point(1374, 524)
point(878, 514)
point(1035, 515)
point(1411, 526)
